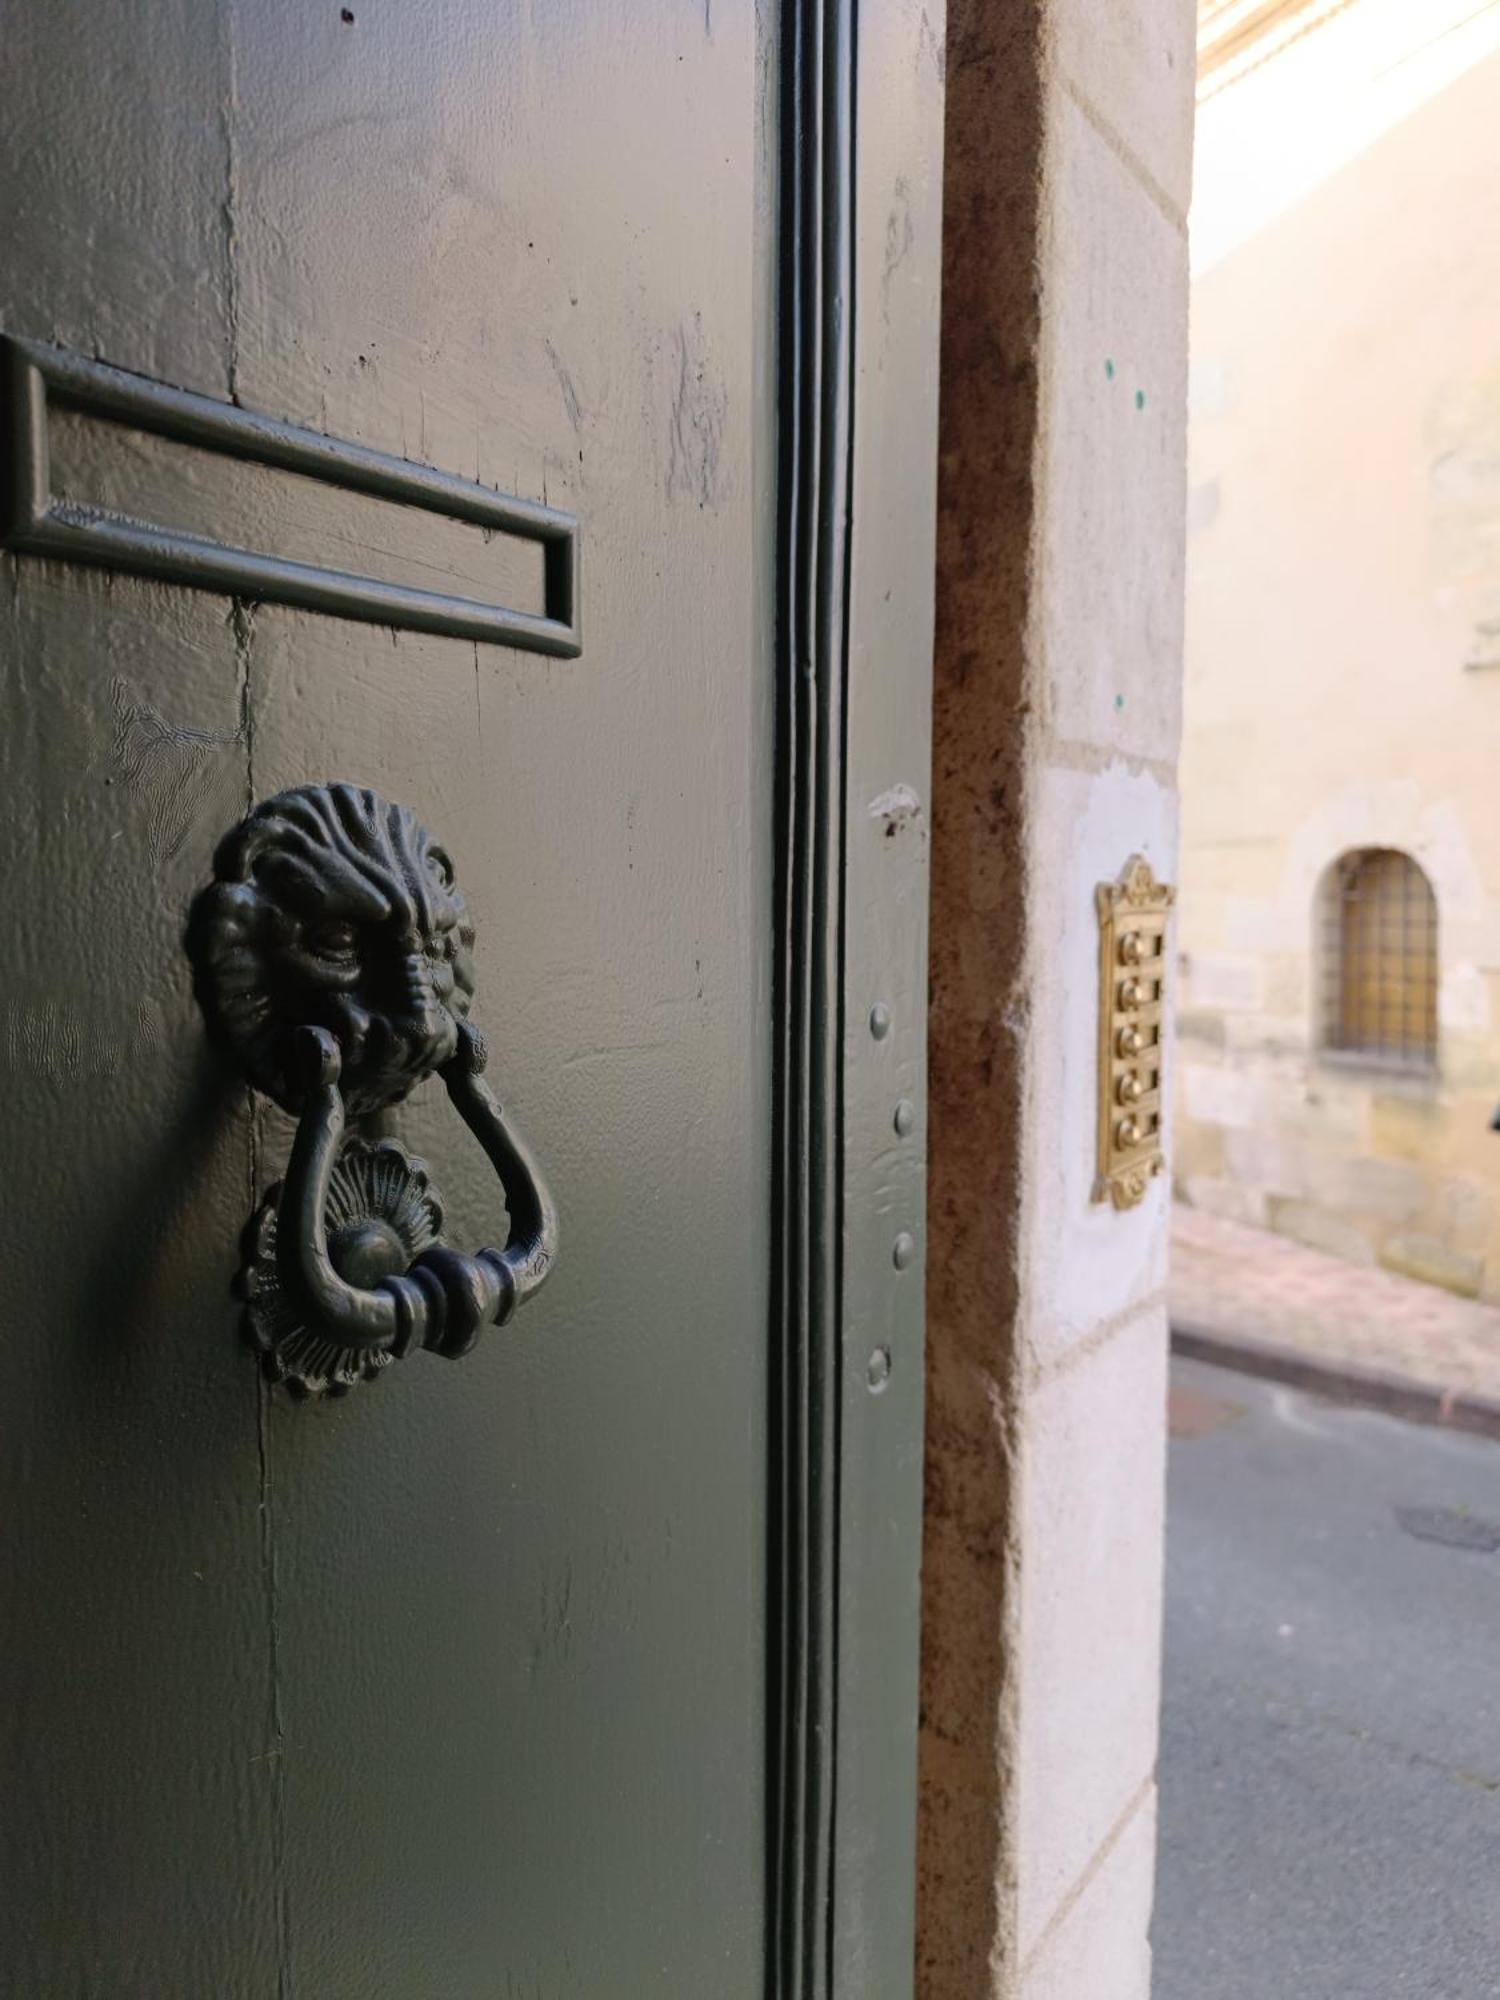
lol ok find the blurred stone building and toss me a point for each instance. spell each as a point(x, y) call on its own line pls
point(1338, 1058)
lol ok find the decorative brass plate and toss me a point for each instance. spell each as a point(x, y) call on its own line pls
point(1133, 916)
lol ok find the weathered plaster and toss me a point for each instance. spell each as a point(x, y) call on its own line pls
point(1061, 504)
point(1351, 710)
point(979, 1009)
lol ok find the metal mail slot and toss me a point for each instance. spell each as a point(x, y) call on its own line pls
point(36, 377)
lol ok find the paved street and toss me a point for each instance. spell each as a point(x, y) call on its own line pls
point(1330, 1772)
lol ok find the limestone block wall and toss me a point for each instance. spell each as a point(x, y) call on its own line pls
point(1343, 692)
point(1056, 732)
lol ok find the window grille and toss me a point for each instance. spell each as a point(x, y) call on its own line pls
point(1380, 959)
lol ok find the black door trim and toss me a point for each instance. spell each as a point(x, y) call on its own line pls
point(860, 190)
point(815, 400)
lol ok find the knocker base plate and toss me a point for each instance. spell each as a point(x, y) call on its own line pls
point(332, 958)
point(382, 1213)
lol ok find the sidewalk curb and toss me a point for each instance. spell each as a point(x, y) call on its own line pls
point(1340, 1381)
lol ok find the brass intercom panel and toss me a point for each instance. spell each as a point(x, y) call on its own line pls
point(1133, 914)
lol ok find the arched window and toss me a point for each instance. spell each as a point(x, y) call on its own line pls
point(1380, 958)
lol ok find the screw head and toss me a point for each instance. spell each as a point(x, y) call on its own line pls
point(878, 1370)
point(905, 1118)
point(880, 1020)
point(903, 1250)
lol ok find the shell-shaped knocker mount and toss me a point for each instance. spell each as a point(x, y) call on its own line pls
point(332, 958)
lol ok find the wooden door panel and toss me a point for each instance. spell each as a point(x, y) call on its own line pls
point(585, 1666)
point(457, 1685)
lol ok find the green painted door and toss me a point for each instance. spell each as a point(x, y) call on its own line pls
point(530, 1674)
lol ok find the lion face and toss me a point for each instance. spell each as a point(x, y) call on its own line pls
point(331, 908)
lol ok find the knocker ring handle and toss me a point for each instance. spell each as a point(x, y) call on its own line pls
point(443, 1298)
point(332, 959)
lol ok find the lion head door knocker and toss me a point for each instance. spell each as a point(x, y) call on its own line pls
point(331, 956)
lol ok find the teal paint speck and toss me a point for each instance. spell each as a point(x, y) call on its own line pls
point(1140, 399)
point(1119, 701)
point(1109, 371)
